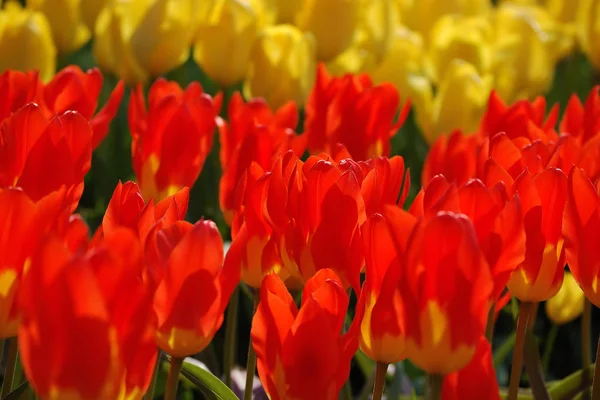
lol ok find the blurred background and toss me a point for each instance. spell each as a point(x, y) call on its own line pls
point(445, 55)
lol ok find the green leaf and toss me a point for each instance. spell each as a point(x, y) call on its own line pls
point(505, 349)
point(18, 392)
point(207, 383)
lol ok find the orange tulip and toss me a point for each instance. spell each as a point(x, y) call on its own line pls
point(253, 133)
point(475, 381)
point(172, 138)
point(446, 289)
point(192, 296)
point(351, 111)
point(497, 219)
point(302, 354)
point(97, 295)
point(581, 221)
point(42, 154)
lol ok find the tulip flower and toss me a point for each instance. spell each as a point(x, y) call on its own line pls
point(26, 35)
point(19, 88)
point(456, 37)
point(191, 298)
point(225, 34)
point(90, 9)
point(282, 66)
point(567, 304)
point(253, 133)
point(580, 219)
point(460, 101)
point(287, 10)
point(33, 144)
point(475, 381)
point(172, 137)
point(69, 31)
point(331, 40)
point(446, 289)
point(351, 111)
point(530, 43)
point(585, 22)
point(497, 220)
point(138, 40)
point(295, 346)
point(386, 181)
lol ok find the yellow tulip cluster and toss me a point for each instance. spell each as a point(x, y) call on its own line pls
point(447, 55)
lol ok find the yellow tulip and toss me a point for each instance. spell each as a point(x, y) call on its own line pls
point(90, 9)
point(288, 9)
point(457, 37)
point(332, 22)
point(282, 66)
point(421, 15)
point(68, 29)
point(372, 39)
point(588, 30)
point(26, 41)
point(225, 34)
point(460, 101)
point(567, 304)
point(266, 11)
point(528, 45)
point(139, 39)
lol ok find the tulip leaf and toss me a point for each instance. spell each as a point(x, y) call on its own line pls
point(207, 383)
point(18, 392)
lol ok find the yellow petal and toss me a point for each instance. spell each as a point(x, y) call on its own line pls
point(567, 304)
point(588, 30)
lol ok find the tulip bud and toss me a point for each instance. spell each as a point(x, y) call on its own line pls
point(567, 304)
point(225, 34)
point(282, 66)
point(26, 41)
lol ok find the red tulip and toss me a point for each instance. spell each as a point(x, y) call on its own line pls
point(303, 354)
point(253, 133)
point(18, 88)
point(351, 111)
point(172, 137)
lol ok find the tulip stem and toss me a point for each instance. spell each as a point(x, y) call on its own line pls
point(251, 364)
point(11, 363)
point(230, 335)
point(380, 375)
point(586, 351)
point(596, 382)
point(517, 363)
point(150, 392)
point(435, 386)
point(173, 379)
point(551, 338)
point(489, 327)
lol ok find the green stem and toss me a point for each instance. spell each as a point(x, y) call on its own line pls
point(489, 327)
point(173, 379)
point(596, 382)
point(549, 346)
point(230, 335)
point(435, 386)
point(380, 374)
point(251, 363)
point(517, 364)
point(11, 364)
point(150, 392)
point(347, 391)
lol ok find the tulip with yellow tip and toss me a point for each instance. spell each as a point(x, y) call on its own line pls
point(332, 22)
point(457, 37)
point(225, 34)
point(69, 31)
point(26, 41)
point(282, 66)
point(567, 304)
point(138, 39)
point(460, 100)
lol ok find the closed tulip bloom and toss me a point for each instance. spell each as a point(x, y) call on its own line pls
point(191, 298)
point(69, 31)
point(224, 37)
point(567, 304)
point(443, 326)
point(33, 144)
point(475, 381)
point(295, 346)
point(26, 41)
point(282, 66)
point(331, 40)
point(350, 110)
point(171, 137)
point(90, 9)
point(460, 101)
point(580, 219)
point(137, 40)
